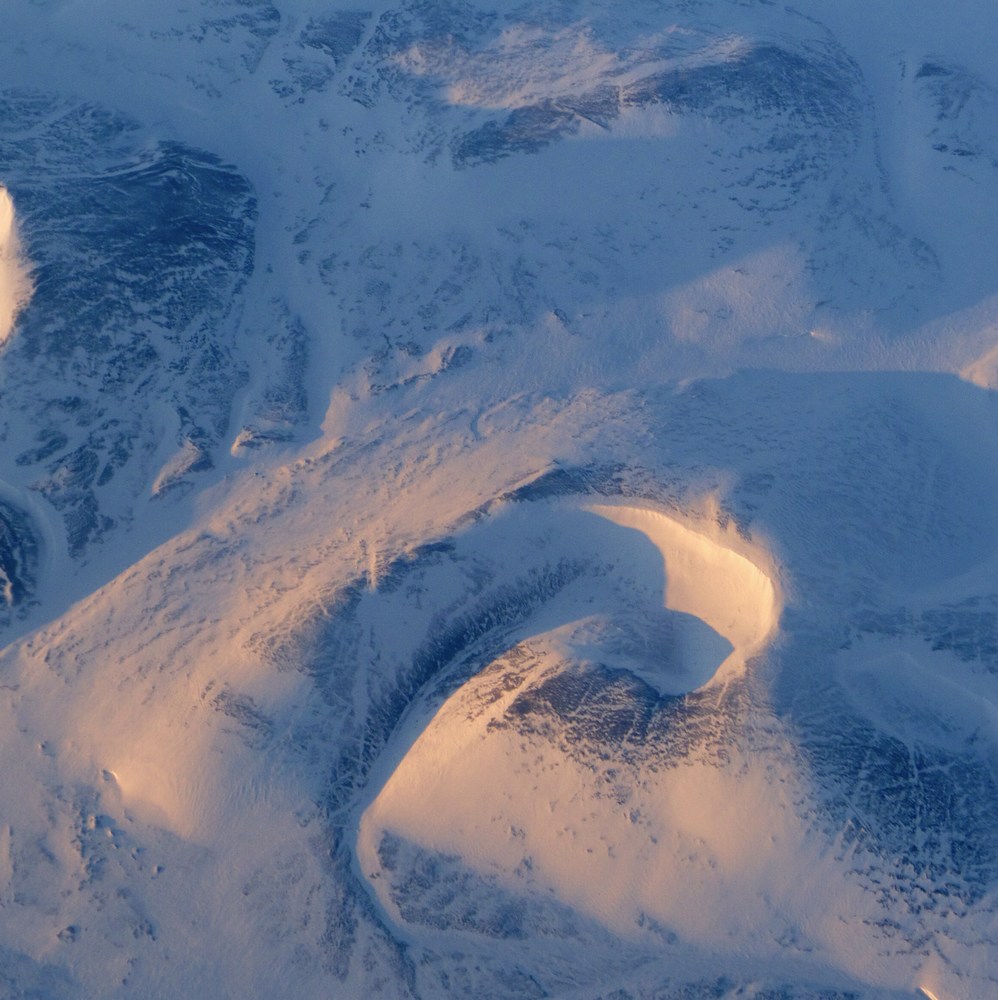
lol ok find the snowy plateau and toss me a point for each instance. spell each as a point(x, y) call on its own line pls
point(498, 500)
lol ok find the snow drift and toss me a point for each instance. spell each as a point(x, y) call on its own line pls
point(15, 280)
point(458, 793)
point(708, 578)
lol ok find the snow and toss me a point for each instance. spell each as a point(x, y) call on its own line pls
point(722, 837)
point(923, 695)
point(15, 280)
point(562, 561)
point(708, 577)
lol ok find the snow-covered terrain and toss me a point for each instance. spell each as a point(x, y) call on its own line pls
point(497, 500)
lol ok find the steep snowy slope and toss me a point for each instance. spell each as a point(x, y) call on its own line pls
point(497, 500)
point(15, 283)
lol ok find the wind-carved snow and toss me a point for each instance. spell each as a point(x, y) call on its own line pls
point(678, 607)
point(15, 280)
point(500, 240)
point(707, 577)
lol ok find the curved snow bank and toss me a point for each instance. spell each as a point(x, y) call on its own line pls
point(565, 773)
point(626, 844)
point(15, 283)
point(706, 577)
point(983, 370)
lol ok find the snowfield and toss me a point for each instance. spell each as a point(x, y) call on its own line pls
point(498, 500)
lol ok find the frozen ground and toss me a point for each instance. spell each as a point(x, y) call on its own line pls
point(498, 500)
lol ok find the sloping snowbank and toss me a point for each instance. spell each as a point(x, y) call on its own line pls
point(707, 578)
point(719, 834)
point(15, 281)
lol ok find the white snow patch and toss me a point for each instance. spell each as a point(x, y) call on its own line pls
point(527, 63)
point(185, 460)
point(736, 304)
point(707, 577)
point(922, 695)
point(15, 279)
point(983, 371)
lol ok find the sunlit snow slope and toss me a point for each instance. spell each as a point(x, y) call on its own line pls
point(15, 283)
point(497, 500)
point(469, 790)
